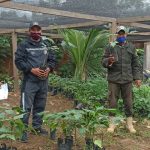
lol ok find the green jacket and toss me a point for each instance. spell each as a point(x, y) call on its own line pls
point(126, 68)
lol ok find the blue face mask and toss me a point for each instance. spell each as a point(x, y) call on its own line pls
point(121, 39)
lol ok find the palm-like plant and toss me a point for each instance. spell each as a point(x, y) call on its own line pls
point(81, 47)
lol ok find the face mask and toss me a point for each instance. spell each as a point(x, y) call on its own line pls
point(121, 39)
point(35, 36)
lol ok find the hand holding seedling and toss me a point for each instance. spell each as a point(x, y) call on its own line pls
point(111, 59)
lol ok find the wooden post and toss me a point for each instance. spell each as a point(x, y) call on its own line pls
point(147, 55)
point(113, 31)
point(15, 71)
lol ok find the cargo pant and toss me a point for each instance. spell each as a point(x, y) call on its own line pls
point(33, 99)
point(125, 90)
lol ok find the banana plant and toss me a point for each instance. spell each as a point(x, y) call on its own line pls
point(81, 46)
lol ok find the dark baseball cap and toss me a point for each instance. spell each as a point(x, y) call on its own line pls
point(32, 24)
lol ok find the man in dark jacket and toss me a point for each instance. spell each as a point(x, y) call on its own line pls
point(35, 61)
point(121, 60)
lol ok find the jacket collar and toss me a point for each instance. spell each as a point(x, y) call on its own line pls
point(33, 42)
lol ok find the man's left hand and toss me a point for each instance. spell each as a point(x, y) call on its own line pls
point(46, 72)
point(138, 83)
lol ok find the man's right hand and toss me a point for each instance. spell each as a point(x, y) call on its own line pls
point(111, 60)
point(138, 83)
point(38, 72)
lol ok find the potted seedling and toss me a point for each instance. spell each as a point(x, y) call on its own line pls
point(89, 123)
point(67, 122)
point(93, 118)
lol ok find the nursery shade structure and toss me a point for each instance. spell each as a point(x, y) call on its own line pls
point(16, 16)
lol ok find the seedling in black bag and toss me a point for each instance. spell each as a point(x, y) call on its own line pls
point(3, 146)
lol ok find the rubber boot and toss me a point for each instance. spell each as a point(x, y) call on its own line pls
point(130, 125)
point(112, 126)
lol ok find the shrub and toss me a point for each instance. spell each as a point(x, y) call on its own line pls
point(141, 103)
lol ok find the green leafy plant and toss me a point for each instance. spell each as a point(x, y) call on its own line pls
point(86, 121)
point(140, 53)
point(94, 117)
point(5, 50)
point(11, 126)
point(80, 47)
point(93, 89)
point(142, 101)
point(67, 120)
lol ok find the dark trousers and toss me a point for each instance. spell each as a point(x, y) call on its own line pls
point(33, 99)
point(125, 90)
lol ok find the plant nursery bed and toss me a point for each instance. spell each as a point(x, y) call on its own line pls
point(120, 140)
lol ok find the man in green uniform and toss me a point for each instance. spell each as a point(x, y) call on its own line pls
point(121, 60)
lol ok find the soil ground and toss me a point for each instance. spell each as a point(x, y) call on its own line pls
point(121, 140)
